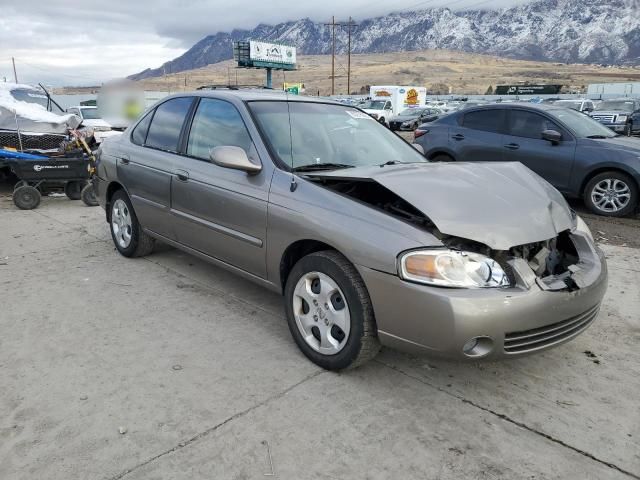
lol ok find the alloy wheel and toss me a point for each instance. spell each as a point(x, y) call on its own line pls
point(611, 195)
point(121, 223)
point(321, 313)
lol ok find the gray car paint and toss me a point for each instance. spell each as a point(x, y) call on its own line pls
point(476, 201)
point(247, 223)
point(567, 166)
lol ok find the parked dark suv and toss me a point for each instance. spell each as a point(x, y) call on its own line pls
point(576, 154)
point(620, 115)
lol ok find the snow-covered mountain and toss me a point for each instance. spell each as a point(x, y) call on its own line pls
point(590, 31)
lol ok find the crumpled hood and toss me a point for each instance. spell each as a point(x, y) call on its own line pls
point(501, 205)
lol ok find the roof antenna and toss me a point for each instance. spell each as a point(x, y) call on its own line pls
point(294, 185)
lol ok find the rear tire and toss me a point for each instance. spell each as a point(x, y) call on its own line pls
point(611, 194)
point(73, 189)
point(442, 157)
point(126, 232)
point(341, 302)
point(88, 195)
point(26, 197)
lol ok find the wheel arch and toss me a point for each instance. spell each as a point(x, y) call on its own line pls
point(295, 252)
point(440, 151)
point(602, 169)
point(111, 190)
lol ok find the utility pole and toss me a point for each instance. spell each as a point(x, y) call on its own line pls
point(15, 75)
point(349, 26)
point(333, 54)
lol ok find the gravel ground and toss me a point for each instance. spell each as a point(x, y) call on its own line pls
point(168, 368)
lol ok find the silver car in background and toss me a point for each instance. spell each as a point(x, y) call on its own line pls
point(368, 242)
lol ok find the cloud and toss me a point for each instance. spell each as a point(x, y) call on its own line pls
point(89, 42)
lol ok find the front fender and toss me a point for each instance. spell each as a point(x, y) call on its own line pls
point(364, 235)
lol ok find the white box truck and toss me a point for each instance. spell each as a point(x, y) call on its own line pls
point(390, 100)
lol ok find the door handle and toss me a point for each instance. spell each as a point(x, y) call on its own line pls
point(182, 175)
point(512, 146)
point(458, 136)
point(125, 160)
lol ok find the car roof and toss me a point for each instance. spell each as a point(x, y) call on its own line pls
point(514, 105)
point(253, 94)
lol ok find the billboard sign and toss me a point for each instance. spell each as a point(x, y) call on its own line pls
point(528, 89)
point(272, 53)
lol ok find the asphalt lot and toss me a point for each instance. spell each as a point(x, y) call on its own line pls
point(168, 368)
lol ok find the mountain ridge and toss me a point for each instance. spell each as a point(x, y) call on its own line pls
point(568, 31)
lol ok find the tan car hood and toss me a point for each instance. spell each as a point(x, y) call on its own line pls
point(501, 205)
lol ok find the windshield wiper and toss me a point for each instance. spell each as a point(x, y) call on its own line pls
point(314, 167)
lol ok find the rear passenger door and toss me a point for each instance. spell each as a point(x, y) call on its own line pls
point(524, 143)
point(478, 136)
point(149, 160)
point(219, 211)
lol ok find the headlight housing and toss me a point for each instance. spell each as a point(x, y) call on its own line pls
point(622, 118)
point(452, 268)
point(581, 226)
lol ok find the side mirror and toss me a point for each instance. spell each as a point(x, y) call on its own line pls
point(233, 157)
point(418, 147)
point(552, 136)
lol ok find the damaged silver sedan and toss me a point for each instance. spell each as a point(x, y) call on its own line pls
point(368, 242)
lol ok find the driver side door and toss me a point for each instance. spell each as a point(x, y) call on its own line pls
point(523, 143)
point(219, 211)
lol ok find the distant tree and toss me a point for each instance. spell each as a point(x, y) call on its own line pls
point(489, 90)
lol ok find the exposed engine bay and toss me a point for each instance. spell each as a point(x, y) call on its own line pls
point(554, 264)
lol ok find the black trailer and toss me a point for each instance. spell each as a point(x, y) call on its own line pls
point(37, 174)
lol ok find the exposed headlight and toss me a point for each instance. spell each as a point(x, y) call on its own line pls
point(374, 115)
point(622, 118)
point(452, 268)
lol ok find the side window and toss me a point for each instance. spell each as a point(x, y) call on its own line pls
point(529, 124)
point(217, 123)
point(139, 134)
point(165, 128)
point(490, 120)
point(387, 106)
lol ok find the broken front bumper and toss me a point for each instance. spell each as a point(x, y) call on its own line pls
point(504, 322)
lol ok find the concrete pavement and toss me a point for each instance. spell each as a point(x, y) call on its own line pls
point(198, 369)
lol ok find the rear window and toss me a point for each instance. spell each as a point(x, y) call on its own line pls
point(139, 135)
point(491, 120)
point(165, 128)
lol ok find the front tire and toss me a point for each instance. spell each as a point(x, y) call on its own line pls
point(612, 194)
point(628, 130)
point(88, 195)
point(26, 197)
point(73, 189)
point(329, 312)
point(126, 232)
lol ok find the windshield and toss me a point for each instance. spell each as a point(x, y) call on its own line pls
point(620, 105)
point(30, 96)
point(411, 112)
point(573, 105)
point(374, 105)
point(328, 134)
point(582, 125)
point(90, 113)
